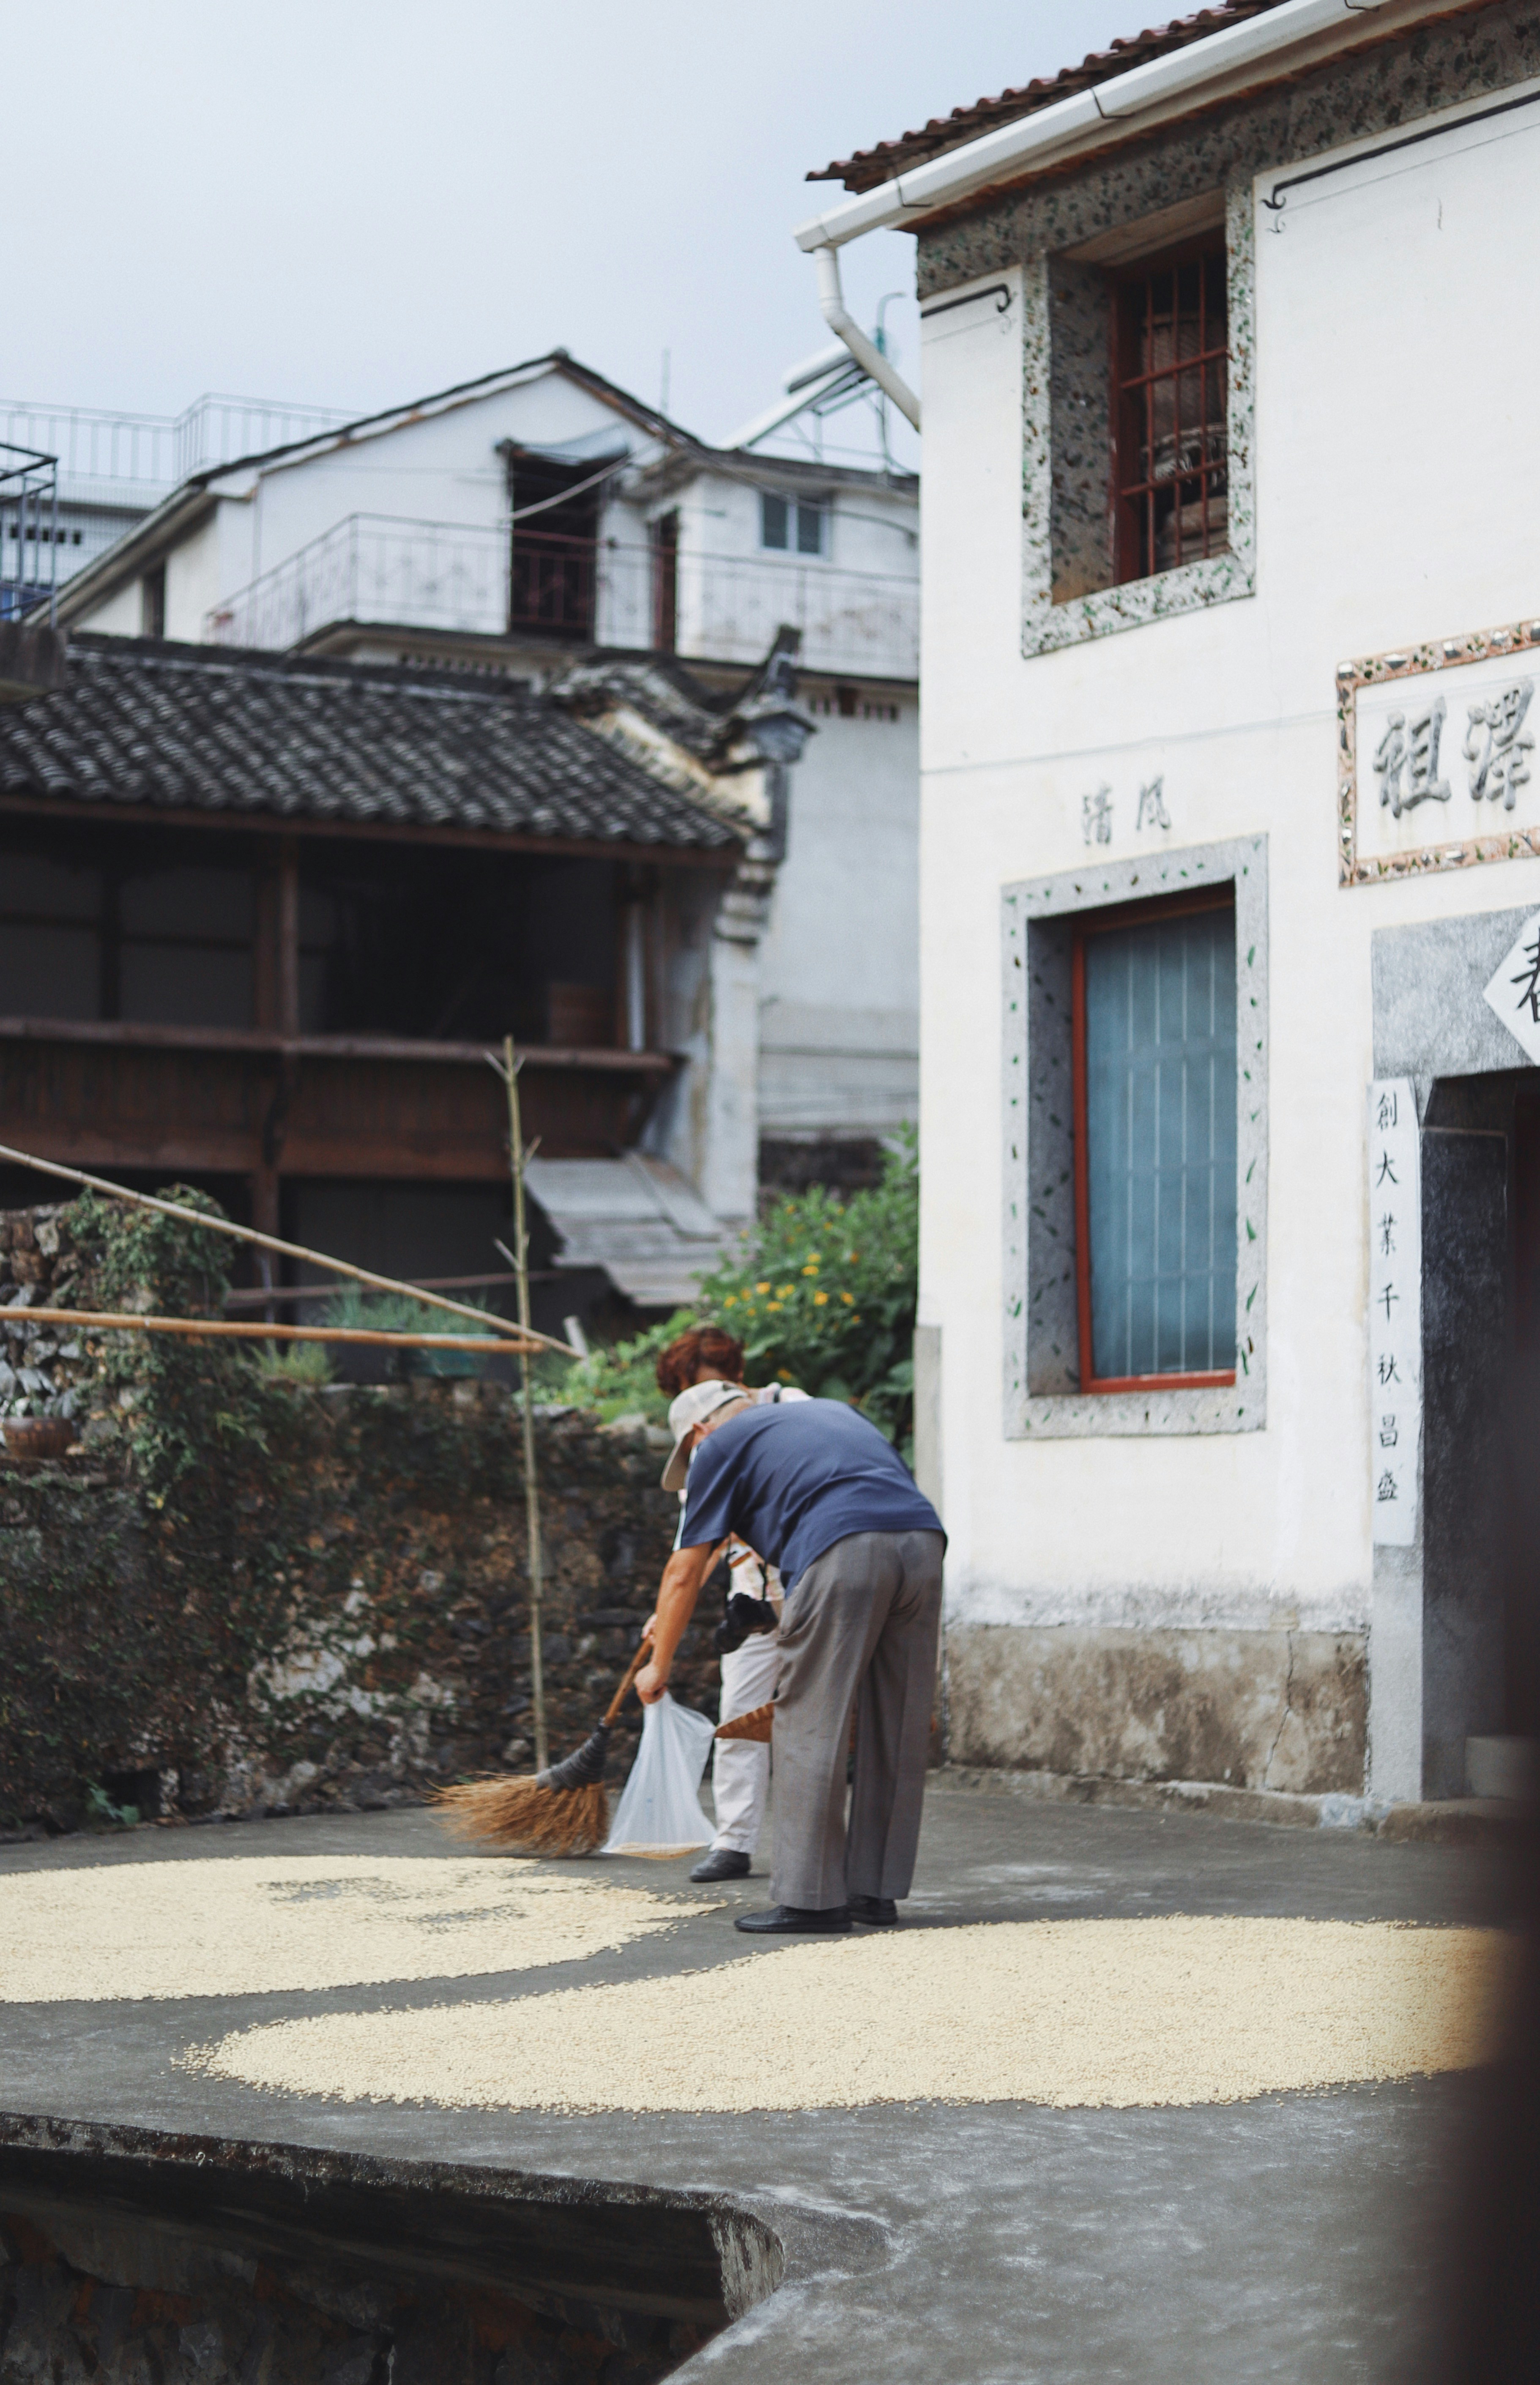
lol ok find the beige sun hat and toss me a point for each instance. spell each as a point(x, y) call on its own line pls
point(691, 1409)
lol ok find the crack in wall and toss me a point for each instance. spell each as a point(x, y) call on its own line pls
point(1283, 1718)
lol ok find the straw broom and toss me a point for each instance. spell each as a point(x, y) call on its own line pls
point(562, 1811)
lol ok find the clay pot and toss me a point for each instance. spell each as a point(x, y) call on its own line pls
point(38, 1436)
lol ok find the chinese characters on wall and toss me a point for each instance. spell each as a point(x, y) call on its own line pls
point(1514, 992)
point(1098, 813)
point(1394, 1311)
point(1436, 755)
point(1494, 750)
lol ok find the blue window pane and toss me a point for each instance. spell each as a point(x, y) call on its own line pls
point(810, 530)
point(1160, 1146)
point(774, 520)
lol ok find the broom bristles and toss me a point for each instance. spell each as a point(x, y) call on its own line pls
point(756, 1724)
point(523, 1814)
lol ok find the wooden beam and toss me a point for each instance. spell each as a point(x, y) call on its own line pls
point(126, 1034)
point(264, 953)
point(716, 859)
point(288, 972)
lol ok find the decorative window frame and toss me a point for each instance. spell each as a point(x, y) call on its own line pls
point(1191, 587)
point(1415, 662)
point(1042, 1394)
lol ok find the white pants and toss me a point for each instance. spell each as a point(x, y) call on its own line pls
point(740, 1767)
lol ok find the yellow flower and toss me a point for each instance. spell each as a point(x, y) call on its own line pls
point(856, 1320)
point(786, 1292)
point(812, 1268)
point(762, 1287)
point(820, 1299)
point(731, 1301)
point(783, 1374)
point(848, 1299)
point(772, 1308)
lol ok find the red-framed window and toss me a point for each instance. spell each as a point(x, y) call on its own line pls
point(1170, 396)
point(1155, 1088)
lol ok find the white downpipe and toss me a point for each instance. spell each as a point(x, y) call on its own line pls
point(1032, 140)
point(831, 298)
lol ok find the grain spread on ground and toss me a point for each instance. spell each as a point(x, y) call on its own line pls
point(225, 1926)
point(1070, 2013)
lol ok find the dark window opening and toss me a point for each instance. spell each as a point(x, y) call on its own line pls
point(152, 603)
point(665, 584)
point(553, 567)
point(1153, 1007)
point(1170, 391)
point(177, 929)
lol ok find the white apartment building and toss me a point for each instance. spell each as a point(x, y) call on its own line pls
point(540, 521)
point(1230, 914)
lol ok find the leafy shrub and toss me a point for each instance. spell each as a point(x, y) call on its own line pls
point(822, 1295)
point(294, 1362)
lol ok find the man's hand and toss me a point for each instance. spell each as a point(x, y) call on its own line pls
point(677, 1593)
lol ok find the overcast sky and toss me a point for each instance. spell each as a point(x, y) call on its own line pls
point(355, 202)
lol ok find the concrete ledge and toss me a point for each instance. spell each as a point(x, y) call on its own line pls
point(31, 661)
point(1457, 1821)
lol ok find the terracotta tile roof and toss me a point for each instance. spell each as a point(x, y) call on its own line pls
point(867, 167)
point(141, 726)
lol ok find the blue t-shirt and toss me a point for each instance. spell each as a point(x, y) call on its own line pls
point(792, 1480)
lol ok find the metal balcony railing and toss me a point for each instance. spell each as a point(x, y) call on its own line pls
point(493, 581)
point(137, 459)
point(374, 567)
point(29, 531)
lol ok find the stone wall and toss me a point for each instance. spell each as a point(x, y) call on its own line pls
point(356, 1637)
point(43, 1371)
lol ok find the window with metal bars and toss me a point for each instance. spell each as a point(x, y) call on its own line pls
point(1169, 389)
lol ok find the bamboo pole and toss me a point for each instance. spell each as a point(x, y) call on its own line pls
point(516, 1159)
point(88, 1321)
point(185, 1217)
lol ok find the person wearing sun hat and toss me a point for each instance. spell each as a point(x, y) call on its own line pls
point(817, 1492)
point(751, 1668)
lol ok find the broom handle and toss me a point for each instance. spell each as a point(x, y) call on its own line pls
point(632, 1669)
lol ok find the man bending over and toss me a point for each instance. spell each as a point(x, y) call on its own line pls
point(819, 1494)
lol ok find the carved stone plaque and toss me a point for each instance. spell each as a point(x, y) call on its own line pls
point(1436, 757)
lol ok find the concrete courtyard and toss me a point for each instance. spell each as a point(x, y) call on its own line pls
point(1291, 2234)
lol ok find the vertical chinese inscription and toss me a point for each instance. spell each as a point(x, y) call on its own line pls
point(1394, 1311)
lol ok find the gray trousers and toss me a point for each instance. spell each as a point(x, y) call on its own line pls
point(859, 1629)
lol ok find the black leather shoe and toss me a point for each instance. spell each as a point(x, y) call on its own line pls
point(722, 1862)
point(879, 1912)
point(784, 1920)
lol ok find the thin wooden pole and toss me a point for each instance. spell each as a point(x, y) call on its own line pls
point(531, 1484)
point(89, 1320)
point(490, 1322)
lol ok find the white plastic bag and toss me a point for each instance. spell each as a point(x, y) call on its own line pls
point(660, 1811)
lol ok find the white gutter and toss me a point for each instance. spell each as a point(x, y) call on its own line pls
point(831, 299)
point(1034, 140)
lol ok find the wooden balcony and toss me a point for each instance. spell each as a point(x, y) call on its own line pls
point(214, 1100)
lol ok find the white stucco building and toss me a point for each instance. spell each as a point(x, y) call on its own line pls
point(540, 521)
point(1230, 824)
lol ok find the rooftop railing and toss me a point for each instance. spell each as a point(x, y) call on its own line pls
point(140, 458)
point(29, 531)
point(494, 582)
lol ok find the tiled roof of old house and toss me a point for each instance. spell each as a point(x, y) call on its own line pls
point(162, 727)
point(867, 167)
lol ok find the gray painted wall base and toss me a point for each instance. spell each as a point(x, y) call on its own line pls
point(1265, 1710)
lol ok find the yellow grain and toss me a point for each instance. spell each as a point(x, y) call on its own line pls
point(224, 1926)
point(1070, 2013)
